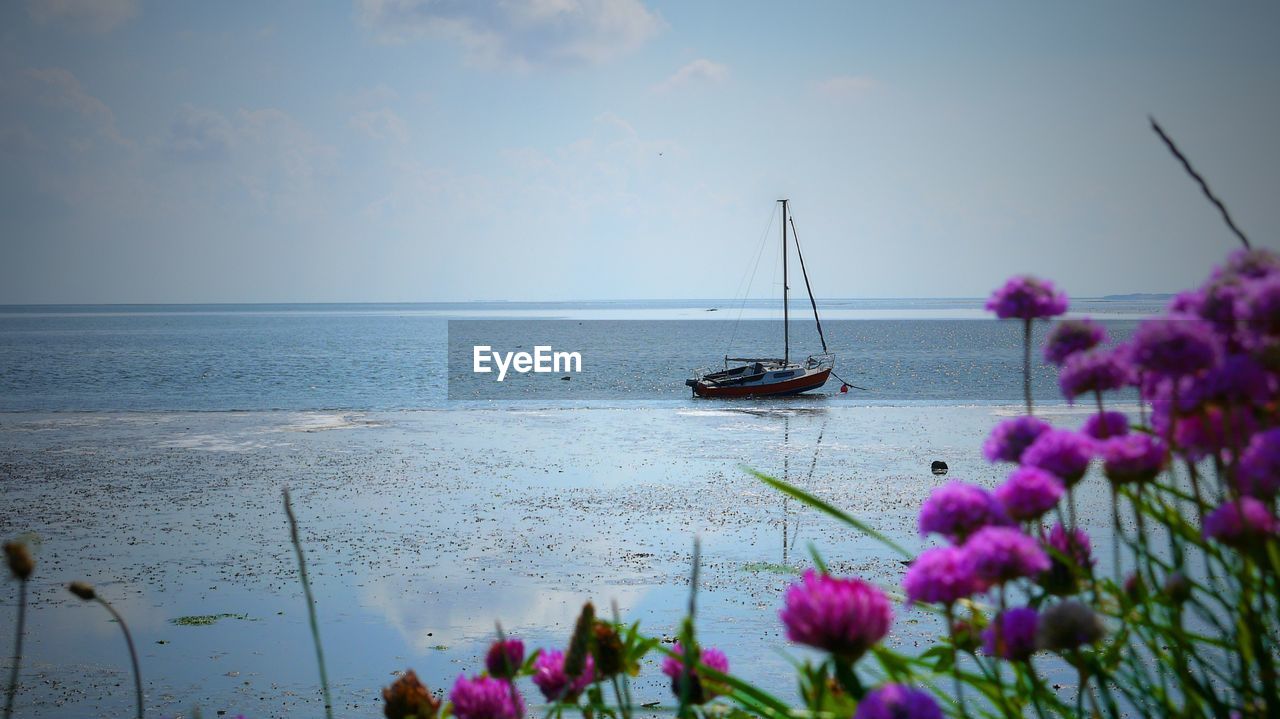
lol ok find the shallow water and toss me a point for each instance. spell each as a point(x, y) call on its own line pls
point(423, 528)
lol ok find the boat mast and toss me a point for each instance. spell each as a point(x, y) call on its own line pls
point(786, 334)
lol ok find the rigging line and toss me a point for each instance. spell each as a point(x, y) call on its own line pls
point(1204, 186)
point(764, 237)
point(796, 236)
point(808, 483)
point(812, 302)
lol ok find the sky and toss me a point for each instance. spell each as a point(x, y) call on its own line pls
point(420, 150)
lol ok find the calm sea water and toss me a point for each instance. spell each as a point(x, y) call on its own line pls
point(395, 356)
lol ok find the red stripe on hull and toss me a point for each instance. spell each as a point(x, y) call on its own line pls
point(794, 386)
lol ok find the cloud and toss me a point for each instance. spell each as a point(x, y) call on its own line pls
point(84, 15)
point(381, 124)
point(60, 89)
point(845, 87)
point(519, 34)
point(266, 153)
point(284, 164)
point(699, 71)
point(197, 135)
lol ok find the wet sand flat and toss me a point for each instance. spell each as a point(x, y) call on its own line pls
point(423, 528)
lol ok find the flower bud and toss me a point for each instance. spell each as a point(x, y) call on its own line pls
point(1068, 625)
point(82, 590)
point(20, 561)
point(408, 698)
point(1177, 588)
point(580, 643)
point(966, 634)
point(1134, 588)
point(607, 651)
point(504, 658)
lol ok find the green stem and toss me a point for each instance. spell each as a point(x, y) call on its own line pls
point(17, 650)
point(1026, 363)
point(311, 603)
point(133, 654)
point(848, 678)
point(955, 659)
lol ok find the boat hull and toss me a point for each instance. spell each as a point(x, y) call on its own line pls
point(796, 385)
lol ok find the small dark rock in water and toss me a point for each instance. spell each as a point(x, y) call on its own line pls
point(938, 467)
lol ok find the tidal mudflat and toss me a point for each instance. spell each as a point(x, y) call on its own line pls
point(422, 528)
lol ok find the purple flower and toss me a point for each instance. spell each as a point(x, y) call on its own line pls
point(1028, 298)
point(1259, 305)
point(702, 689)
point(1012, 635)
point(1250, 265)
point(1009, 439)
point(1088, 372)
point(1104, 425)
point(1132, 458)
point(549, 676)
point(713, 658)
point(1238, 378)
point(504, 658)
point(897, 701)
point(1029, 493)
point(1001, 554)
point(1061, 452)
point(1220, 302)
point(1070, 556)
point(942, 575)
point(485, 698)
point(1211, 430)
point(1175, 346)
point(842, 616)
point(1258, 474)
point(1071, 336)
point(1238, 523)
point(956, 509)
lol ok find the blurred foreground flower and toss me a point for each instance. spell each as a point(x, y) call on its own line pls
point(896, 701)
point(408, 698)
point(554, 683)
point(1071, 336)
point(485, 698)
point(1009, 439)
point(842, 616)
point(1012, 635)
point(504, 658)
point(957, 509)
point(1069, 625)
point(1028, 298)
point(702, 689)
point(1239, 523)
point(1002, 554)
point(942, 575)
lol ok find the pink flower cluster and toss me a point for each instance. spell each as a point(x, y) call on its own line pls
point(845, 617)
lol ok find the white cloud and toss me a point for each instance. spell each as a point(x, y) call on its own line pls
point(381, 124)
point(699, 71)
point(86, 15)
point(845, 87)
point(198, 135)
point(59, 88)
point(520, 34)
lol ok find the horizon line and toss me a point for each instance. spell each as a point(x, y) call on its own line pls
point(227, 303)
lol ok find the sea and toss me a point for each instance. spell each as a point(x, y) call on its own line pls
point(144, 449)
point(398, 356)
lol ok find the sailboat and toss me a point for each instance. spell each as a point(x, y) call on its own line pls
point(772, 377)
